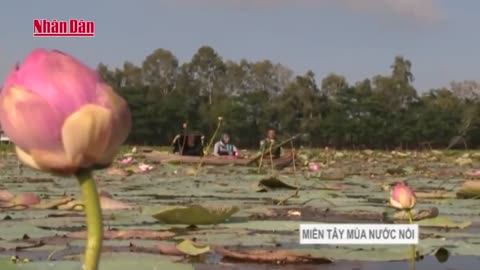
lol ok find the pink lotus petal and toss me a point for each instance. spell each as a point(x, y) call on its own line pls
point(145, 167)
point(125, 161)
point(6, 195)
point(37, 116)
point(25, 199)
point(66, 83)
point(313, 166)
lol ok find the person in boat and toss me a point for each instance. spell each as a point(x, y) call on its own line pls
point(189, 143)
point(224, 147)
point(269, 143)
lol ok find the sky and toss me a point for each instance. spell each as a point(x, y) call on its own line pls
point(355, 38)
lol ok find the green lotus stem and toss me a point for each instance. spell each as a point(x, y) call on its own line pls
point(93, 214)
point(214, 135)
point(410, 220)
point(271, 158)
point(260, 164)
point(207, 148)
point(293, 159)
point(410, 216)
point(185, 132)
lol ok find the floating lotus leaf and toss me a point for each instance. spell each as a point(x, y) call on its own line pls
point(444, 222)
point(332, 174)
point(417, 214)
point(462, 161)
point(9, 265)
point(436, 194)
point(119, 261)
point(196, 214)
point(469, 189)
point(272, 256)
point(189, 248)
point(274, 182)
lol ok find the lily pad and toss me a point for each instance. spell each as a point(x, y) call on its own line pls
point(437, 194)
point(8, 265)
point(469, 189)
point(128, 234)
point(443, 222)
point(272, 256)
point(417, 214)
point(332, 174)
point(196, 214)
point(189, 248)
point(117, 261)
point(274, 182)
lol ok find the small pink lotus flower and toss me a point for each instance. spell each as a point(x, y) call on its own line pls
point(60, 115)
point(475, 173)
point(313, 166)
point(402, 197)
point(125, 161)
point(6, 195)
point(26, 199)
point(145, 167)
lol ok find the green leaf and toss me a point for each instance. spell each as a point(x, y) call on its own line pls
point(111, 261)
point(275, 182)
point(189, 248)
point(417, 214)
point(443, 222)
point(469, 189)
point(8, 265)
point(196, 214)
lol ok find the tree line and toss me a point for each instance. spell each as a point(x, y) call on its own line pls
point(382, 112)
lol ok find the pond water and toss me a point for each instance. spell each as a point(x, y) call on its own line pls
point(427, 263)
point(350, 188)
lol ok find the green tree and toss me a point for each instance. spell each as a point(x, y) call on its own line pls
point(159, 70)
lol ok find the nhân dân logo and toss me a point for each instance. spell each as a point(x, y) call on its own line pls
point(58, 28)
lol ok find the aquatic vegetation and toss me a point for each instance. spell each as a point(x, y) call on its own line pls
point(173, 219)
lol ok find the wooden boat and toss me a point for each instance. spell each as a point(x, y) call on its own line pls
point(166, 157)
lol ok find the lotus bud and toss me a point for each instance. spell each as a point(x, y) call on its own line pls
point(60, 115)
point(402, 197)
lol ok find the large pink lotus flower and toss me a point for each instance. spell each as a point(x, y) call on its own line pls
point(402, 197)
point(60, 115)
